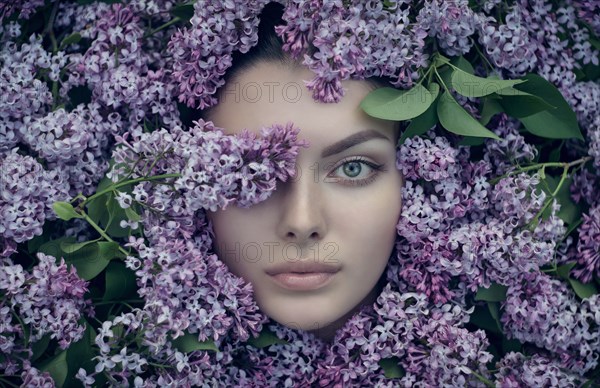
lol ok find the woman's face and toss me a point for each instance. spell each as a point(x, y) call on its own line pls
point(340, 210)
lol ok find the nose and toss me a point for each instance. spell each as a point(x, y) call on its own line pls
point(302, 218)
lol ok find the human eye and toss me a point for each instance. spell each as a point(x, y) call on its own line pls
point(356, 171)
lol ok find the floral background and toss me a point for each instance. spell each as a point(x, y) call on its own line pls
point(107, 275)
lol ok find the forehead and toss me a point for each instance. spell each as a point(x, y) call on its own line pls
point(272, 93)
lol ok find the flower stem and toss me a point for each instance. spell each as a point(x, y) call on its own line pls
point(539, 166)
point(125, 183)
point(176, 19)
point(102, 232)
point(483, 379)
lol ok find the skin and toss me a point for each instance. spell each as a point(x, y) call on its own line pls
point(318, 215)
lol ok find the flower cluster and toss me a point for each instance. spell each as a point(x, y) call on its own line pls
point(27, 192)
point(494, 279)
point(334, 39)
point(588, 249)
point(216, 170)
point(545, 312)
point(49, 300)
point(203, 52)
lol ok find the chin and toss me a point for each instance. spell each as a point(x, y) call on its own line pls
point(302, 319)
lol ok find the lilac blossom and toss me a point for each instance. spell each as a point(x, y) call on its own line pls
point(450, 22)
point(517, 370)
point(117, 70)
point(249, 167)
point(588, 248)
point(459, 230)
point(385, 35)
point(594, 136)
point(48, 299)
point(202, 53)
point(552, 319)
point(25, 8)
point(584, 99)
point(584, 187)
point(511, 150)
point(211, 301)
point(27, 192)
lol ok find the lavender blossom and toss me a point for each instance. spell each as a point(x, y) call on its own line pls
point(518, 370)
point(450, 22)
point(511, 149)
point(553, 319)
point(588, 247)
point(203, 52)
point(27, 193)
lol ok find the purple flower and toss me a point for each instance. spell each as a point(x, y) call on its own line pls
point(517, 370)
point(27, 193)
point(202, 53)
point(588, 247)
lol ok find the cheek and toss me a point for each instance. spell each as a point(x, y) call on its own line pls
point(239, 232)
point(369, 225)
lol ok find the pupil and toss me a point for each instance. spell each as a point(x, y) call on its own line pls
point(352, 169)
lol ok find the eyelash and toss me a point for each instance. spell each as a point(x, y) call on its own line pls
point(377, 168)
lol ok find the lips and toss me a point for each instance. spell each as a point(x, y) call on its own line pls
point(303, 276)
point(303, 267)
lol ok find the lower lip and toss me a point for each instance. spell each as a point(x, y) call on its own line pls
point(303, 281)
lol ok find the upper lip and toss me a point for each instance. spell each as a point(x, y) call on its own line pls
point(303, 267)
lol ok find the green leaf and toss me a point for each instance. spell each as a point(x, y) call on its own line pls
point(392, 368)
point(472, 86)
point(422, 123)
point(266, 338)
point(495, 313)
point(393, 104)
point(511, 92)
point(558, 123)
point(88, 261)
point(40, 346)
point(554, 155)
point(71, 39)
point(583, 290)
point(564, 270)
point(455, 119)
point(80, 354)
point(69, 248)
point(482, 318)
point(183, 11)
point(569, 211)
point(116, 215)
point(65, 211)
point(495, 293)
point(109, 250)
point(96, 208)
point(511, 345)
point(52, 247)
point(445, 74)
point(97, 211)
point(57, 367)
point(189, 343)
point(524, 105)
point(132, 215)
point(491, 107)
point(120, 282)
point(463, 64)
point(472, 141)
point(440, 60)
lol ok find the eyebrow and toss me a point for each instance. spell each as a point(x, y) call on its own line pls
point(351, 141)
